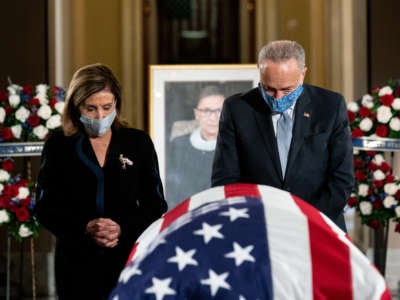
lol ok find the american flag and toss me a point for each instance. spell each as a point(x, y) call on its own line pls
point(247, 241)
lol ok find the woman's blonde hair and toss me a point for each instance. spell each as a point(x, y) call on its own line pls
point(86, 81)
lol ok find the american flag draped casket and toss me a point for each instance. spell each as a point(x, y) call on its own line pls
point(246, 241)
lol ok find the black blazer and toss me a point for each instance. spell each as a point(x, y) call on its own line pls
point(67, 191)
point(320, 162)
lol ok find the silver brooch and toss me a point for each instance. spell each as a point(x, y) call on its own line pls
point(125, 161)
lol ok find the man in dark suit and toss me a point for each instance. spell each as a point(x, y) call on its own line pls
point(318, 164)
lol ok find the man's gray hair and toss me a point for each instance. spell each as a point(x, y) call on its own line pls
point(283, 50)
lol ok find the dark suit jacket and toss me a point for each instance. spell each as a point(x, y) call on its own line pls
point(320, 162)
point(67, 191)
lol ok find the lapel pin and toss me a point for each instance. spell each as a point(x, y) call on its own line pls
point(306, 115)
point(125, 161)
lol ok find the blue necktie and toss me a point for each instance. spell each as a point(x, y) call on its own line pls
point(284, 137)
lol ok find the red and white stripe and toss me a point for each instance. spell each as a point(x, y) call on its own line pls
point(311, 258)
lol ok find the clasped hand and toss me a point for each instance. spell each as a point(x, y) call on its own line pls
point(104, 231)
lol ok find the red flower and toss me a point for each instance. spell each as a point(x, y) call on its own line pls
point(360, 176)
point(5, 202)
point(52, 103)
point(22, 214)
point(27, 89)
point(34, 101)
point(378, 183)
point(364, 112)
point(7, 165)
point(351, 116)
point(3, 96)
point(11, 191)
point(385, 167)
point(372, 166)
point(397, 228)
point(387, 99)
point(34, 120)
point(25, 202)
point(377, 204)
point(352, 201)
point(381, 130)
point(357, 132)
point(390, 178)
point(6, 134)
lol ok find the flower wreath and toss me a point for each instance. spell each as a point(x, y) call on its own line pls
point(27, 114)
point(377, 193)
point(16, 202)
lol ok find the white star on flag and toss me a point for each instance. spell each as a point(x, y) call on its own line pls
point(208, 232)
point(216, 281)
point(183, 258)
point(234, 213)
point(240, 254)
point(160, 288)
point(128, 272)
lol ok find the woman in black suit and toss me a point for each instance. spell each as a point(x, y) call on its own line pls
point(98, 186)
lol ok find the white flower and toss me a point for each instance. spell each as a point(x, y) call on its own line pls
point(22, 114)
point(41, 93)
point(383, 114)
point(378, 159)
point(59, 106)
point(363, 189)
point(395, 124)
point(4, 175)
point(379, 175)
point(389, 201)
point(16, 131)
point(40, 131)
point(1, 187)
point(23, 192)
point(390, 188)
point(366, 124)
point(2, 114)
point(53, 122)
point(14, 89)
point(4, 217)
point(367, 101)
point(397, 211)
point(396, 104)
point(365, 207)
point(353, 106)
point(24, 231)
point(44, 111)
point(41, 89)
point(386, 90)
point(14, 100)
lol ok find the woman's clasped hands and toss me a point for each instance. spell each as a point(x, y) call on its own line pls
point(104, 231)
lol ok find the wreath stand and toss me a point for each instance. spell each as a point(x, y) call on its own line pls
point(25, 150)
point(391, 147)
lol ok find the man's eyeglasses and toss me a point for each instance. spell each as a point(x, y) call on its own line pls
point(208, 112)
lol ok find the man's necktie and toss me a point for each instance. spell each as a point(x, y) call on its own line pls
point(284, 137)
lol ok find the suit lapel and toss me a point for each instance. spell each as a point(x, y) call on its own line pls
point(301, 127)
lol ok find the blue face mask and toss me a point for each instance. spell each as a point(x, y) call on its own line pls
point(98, 127)
point(284, 102)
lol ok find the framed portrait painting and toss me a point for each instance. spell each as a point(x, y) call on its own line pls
point(185, 105)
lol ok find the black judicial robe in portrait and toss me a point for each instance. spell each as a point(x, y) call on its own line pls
point(73, 189)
